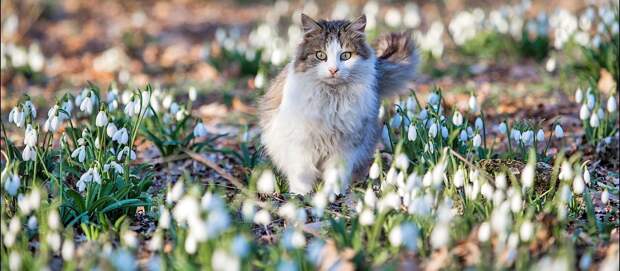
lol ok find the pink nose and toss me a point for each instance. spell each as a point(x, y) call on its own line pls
point(333, 71)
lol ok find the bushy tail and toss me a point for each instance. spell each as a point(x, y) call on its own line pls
point(397, 61)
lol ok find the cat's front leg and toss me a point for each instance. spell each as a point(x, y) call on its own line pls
point(300, 171)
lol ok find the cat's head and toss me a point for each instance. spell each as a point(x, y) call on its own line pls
point(335, 51)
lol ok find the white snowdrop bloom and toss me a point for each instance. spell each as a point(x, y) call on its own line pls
point(501, 220)
point(262, 217)
point(411, 104)
point(578, 185)
point(130, 107)
point(559, 132)
point(68, 249)
point(175, 193)
point(374, 171)
point(432, 131)
point(463, 137)
point(248, 209)
point(601, 113)
point(477, 141)
point(612, 104)
point(53, 220)
point(515, 135)
point(586, 176)
point(389, 202)
point(528, 175)
point(15, 261)
point(540, 135)
point(164, 218)
point(113, 165)
point(121, 136)
point(590, 101)
point(457, 118)
point(80, 153)
point(527, 137)
point(12, 184)
point(584, 112)
point(240, 246)
point(314, 252)
point(200, 130)
point(396, 121)
point(566, 171)
point(594, 120)
point(29, 153)
point(30, 138)
point(130, 238)
point(192, 93)
point(391, 175)
point(586, 261)
point(396, 236)
point(190, 245)
point(32, 223)
point(423, 115)
point(84, 180)
point(550, 64)
point(54, 241)
point(87, 105)
point(370, 199)
point(393, 17)
point(479, 124)
point(412, 134)
point(319, 201)
point(503, 128)
point(127, 153)
point(433, 98)
point(402, 161)
point(17, 116)
point(288, 211)
point(181, 114)
point(484, 232)
point(605, 196)
point(486, 190)
point(440, 236)
point(578, 95)
point(473, 104)
point(293, 239)
point(459, 178)
point(266, 182)
point(367, 217)
point(444, 132)
point(565, 194)
point(30, 109)
point(111, 129)
point(526, 231)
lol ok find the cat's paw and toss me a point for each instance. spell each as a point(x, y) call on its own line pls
point(300, 187)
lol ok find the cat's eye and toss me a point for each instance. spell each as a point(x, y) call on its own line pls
point(320, 55)
point(345, 56)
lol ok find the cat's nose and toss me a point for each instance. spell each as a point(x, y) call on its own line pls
point(333, 71)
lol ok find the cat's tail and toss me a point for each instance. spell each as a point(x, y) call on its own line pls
point(397, 62)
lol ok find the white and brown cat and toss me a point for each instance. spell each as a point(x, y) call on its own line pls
point(321, 111)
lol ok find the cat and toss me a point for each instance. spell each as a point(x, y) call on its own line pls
point(322, 111)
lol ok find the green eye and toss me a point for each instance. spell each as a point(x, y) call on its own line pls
point(345, 56)
point(321, 56)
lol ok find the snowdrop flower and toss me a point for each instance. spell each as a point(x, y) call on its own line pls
point(566, 171)
point(266, 182)
point(559, 132)
point(132, 107)
point(391, 175)
point(164, 218)
point(402, 161)
point(293, 239)
point(594, 120)
point(463, 136)
point(479, 124)
point(440, 236)
point(484, 232)
point(473, 104)
point(526, 231)
point(370, 199)
point(457, 118)
point(459, 178)
point(262, 217)
point(111, 129)
point(412, 134)
point(432, 132)
point(578, 185)
point(516, 135)
point(84, 180)
point(612, 105)
point(477, 141)
point(503, 128)
point(389, 202)
point(102, 119)
point(17, 116)
point(528, 175)
point(423, 115)
point(126, 151)
point(87, 105)
point(374, 171)
point(121, 136)
point(540, 135)
point(367, 217)
point(444, 132)
point(80, 153)
point(578, 95)
point(404, 234)
point(527, 137)
point(319, 201)
point(584, 112)
point(29, 153)
point(175, 193)
point(396, 121)
point(591, 101)
point(12, 184)
point(586, 176)
point(113, 165)
point(433, 98)
point(605, 196)
point(200, 130)
point(30, 138)
point(486, 190)
point(15, 261)
point(192, 93)
point(601, 113)
point(68, 248)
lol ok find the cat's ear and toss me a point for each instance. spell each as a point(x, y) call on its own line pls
point(358, 24)
point(309, 25)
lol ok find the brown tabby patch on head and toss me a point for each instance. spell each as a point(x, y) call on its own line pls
point(318, 34)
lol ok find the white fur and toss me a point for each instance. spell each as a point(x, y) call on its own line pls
point(310, 133)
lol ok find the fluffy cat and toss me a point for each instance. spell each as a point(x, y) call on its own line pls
point(321, 112)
